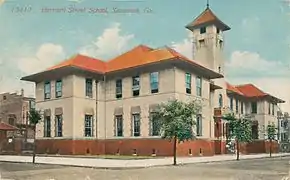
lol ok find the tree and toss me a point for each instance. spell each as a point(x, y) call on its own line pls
point(34, 119)
point(271, 134)
point(176, 121)
point(240, 129)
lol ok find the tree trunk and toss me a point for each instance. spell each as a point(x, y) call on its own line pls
point(34, 146)
point(238, 149)
point(270, 148)
point(174, 151)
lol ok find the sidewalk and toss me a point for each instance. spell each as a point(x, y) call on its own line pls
point(119, 164)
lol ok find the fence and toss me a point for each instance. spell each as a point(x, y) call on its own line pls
point(15, 146)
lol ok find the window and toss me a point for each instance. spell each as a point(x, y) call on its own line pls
point(254, 107)
point(232, 103)
point(155, 126)
point(11, 121)
point(198, 86)
point(58, 125)
point(269, 108)
point(219, 69)
point(188, 83)
point(284, 137)
point(47, 126)
point(202, 30)
point(201, 43)
point(89, 88)
point(31, 104)
point(199, 125)
point(154, 82)
point(217, 30)
point(88, 125)
point(237, 106)
point(47, 89)
point(255, 131)
point(58, 88)
point(119, 88)
point(273, 109)
point(136, 85)
point(242, 108)
point(4, 97)
point(220, 100)
point(220, 43)
point(119, 125)
point(136, 125)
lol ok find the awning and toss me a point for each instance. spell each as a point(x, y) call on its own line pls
point(7, 127)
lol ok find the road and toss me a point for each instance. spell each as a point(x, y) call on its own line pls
point(255, 169)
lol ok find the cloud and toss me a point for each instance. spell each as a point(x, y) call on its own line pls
point(20, 60)
point(286, 2)
point(47, 55)
point(245, 63)
point(2, 2)
point(184, 47)
point(109, 44)
point(24, 62)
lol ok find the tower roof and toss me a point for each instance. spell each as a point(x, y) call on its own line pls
point(205, 18)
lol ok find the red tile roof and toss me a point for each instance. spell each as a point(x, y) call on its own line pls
point(7, 127)
point(135, 57)
point(138, 56)
point(83, 62)
point(233, 89)
point(250, 91)
point(207, 16)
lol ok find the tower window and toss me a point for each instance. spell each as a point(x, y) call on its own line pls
point(201, 43)
point(202, 30)
point(220, 43)
point(218, 30)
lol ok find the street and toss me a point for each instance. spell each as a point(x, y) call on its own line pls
point(251, 169)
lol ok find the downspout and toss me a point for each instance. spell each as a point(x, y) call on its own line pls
point(174, 79)
point(96, 109)
point(105, 116)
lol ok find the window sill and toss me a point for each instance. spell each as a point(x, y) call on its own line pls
point(89, 137)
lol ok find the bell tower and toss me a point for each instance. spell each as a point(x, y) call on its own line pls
point(208, 43)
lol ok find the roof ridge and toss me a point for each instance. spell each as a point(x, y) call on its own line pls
point(86, 56)
point(130, 50)
point(239, 85)
point(207, 16)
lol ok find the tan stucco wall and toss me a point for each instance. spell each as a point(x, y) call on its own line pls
point(262, 115)
point(75, 104)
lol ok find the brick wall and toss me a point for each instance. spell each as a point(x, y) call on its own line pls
point(143, 147)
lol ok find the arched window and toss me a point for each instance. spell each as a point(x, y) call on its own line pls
point(220, 100)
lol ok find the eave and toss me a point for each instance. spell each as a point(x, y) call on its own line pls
point(59, 73)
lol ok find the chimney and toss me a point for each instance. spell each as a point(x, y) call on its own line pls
point(22, 92)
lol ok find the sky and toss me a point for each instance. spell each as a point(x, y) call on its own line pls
point(37, 34)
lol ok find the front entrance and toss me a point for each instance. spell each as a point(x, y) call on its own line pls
point(218, 147)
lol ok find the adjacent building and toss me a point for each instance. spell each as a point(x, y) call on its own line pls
point(95, 107)
point(14, 110)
